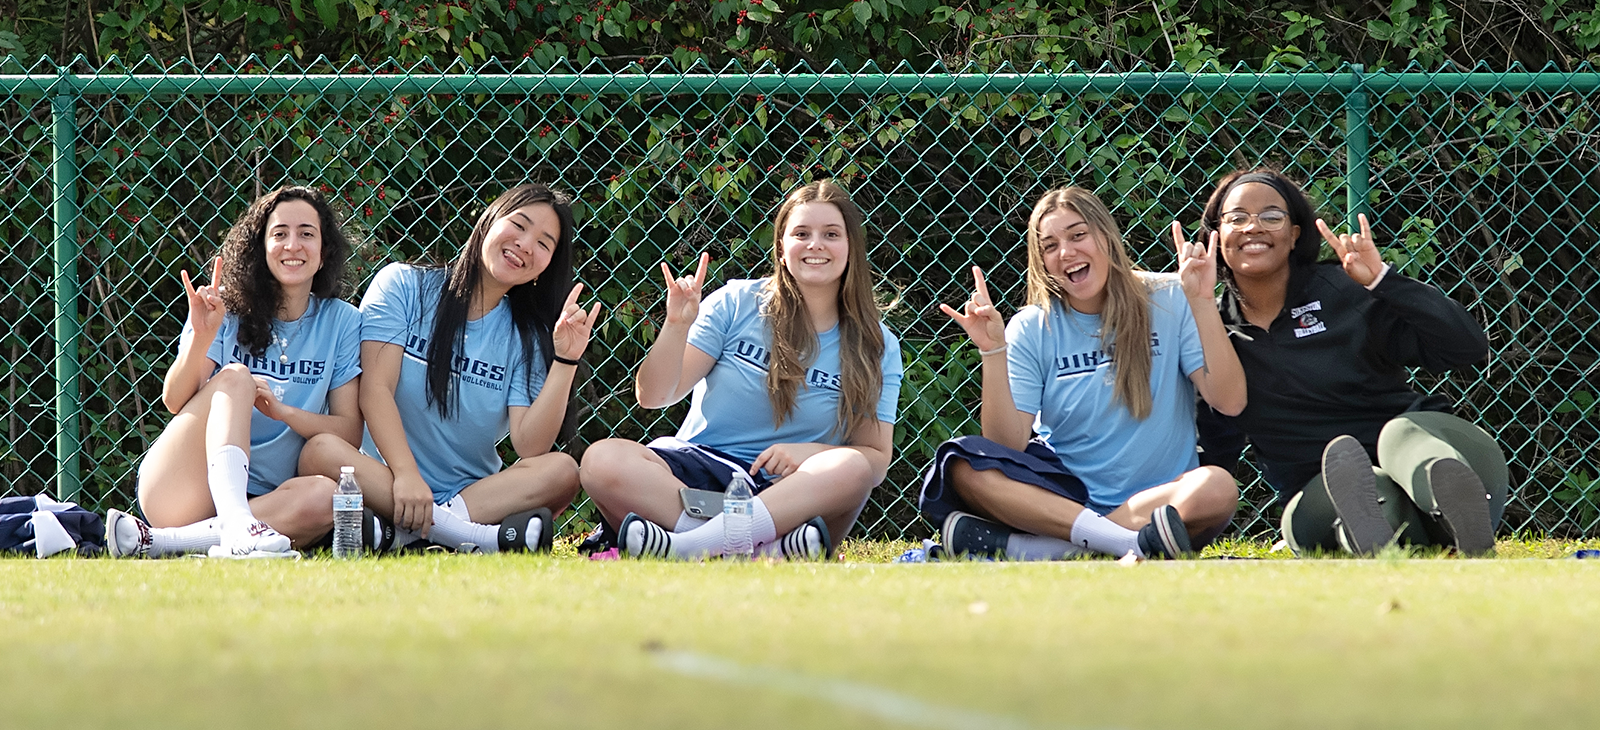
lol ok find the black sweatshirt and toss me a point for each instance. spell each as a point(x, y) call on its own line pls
point(1334, 362)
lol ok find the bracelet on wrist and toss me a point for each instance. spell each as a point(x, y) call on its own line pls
point(995, 351)
point(573, 361)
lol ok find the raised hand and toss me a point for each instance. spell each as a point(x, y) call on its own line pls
point(1357, 252)
point(1197, 265)
point(206, 309)
point(978, 316)
point(573, 327)
point(683, 295)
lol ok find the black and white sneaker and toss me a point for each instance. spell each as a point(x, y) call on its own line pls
point(1347, 473)
point(513, 535)
point(377, 533)
point(1166, 536)
point(807, 542)
point(967, 535)
point(127, 536)
point(641, 538)
point(1463, 506)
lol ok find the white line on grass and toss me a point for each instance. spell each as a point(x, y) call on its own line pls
point(866, 698)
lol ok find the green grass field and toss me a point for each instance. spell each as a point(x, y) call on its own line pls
point(444, 641)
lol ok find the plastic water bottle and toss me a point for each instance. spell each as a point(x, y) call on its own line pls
point(736, 510)
point(347, 515)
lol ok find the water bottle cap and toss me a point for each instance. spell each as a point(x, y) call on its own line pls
point(347, 470)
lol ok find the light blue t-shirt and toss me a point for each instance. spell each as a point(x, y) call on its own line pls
point(307, 358)
point(730, 410)
point(399, 308)
point(1060, 373)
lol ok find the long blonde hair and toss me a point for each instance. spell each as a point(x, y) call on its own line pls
point(1125, 321)
point(794, 338)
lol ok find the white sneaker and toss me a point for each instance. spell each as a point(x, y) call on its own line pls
point(257, 538)
point(217, 551)
point(127, 536)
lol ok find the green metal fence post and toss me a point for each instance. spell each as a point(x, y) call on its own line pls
point(64, 174)
point(1358, 172)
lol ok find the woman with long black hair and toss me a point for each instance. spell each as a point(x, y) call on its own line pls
point(457, 358)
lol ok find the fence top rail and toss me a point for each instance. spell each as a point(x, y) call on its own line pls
point(1170, 82)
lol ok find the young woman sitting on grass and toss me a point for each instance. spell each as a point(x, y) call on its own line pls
point(267, 359)
point(456, 358)
point(1102, 365)
point(1326, 347)
point(795, 381)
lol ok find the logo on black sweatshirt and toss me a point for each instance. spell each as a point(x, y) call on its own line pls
point(1308, 322)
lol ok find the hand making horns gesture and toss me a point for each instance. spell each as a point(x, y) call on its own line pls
point(683, 295)
point(571, 336)
point(1197, 264)
point(206, 308)
point(979, 317)
point(1357, 251)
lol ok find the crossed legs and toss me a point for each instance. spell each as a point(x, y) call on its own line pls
point(624, 476)
point(174, 488)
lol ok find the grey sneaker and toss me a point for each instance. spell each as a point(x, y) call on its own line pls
point(1347, 473)
point(1166, 536)
point(968, 535)
point(1463, 506)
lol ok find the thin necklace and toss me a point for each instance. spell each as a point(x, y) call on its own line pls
point(285, 342)
point(1072, 317)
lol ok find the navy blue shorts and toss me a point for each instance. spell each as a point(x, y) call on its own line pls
point(702, 467)
point(1037, 465)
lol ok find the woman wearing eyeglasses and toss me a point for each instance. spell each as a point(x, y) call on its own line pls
point(1325, 348)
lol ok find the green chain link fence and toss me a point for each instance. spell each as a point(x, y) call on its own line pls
point(1484, 184)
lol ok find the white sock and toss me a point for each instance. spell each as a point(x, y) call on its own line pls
point(1092, 531)
point(687, 523)
point(704, 541)
point(1025, 546)
point(762, 531)
point(453, 525)
point(404, 537)
point(802, 543)
point(228, 474)
point(196, 538)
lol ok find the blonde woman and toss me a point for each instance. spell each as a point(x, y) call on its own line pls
point(795, 381)
point(1103, 365)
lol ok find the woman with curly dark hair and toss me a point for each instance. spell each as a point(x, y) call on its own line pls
point(456, 358)
point(1357, 456)
point(269, 331)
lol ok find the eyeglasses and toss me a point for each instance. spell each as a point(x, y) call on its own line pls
point(1269, 220)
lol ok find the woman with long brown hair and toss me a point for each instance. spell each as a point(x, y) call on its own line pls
point(1103, 365)
point(795, 381)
